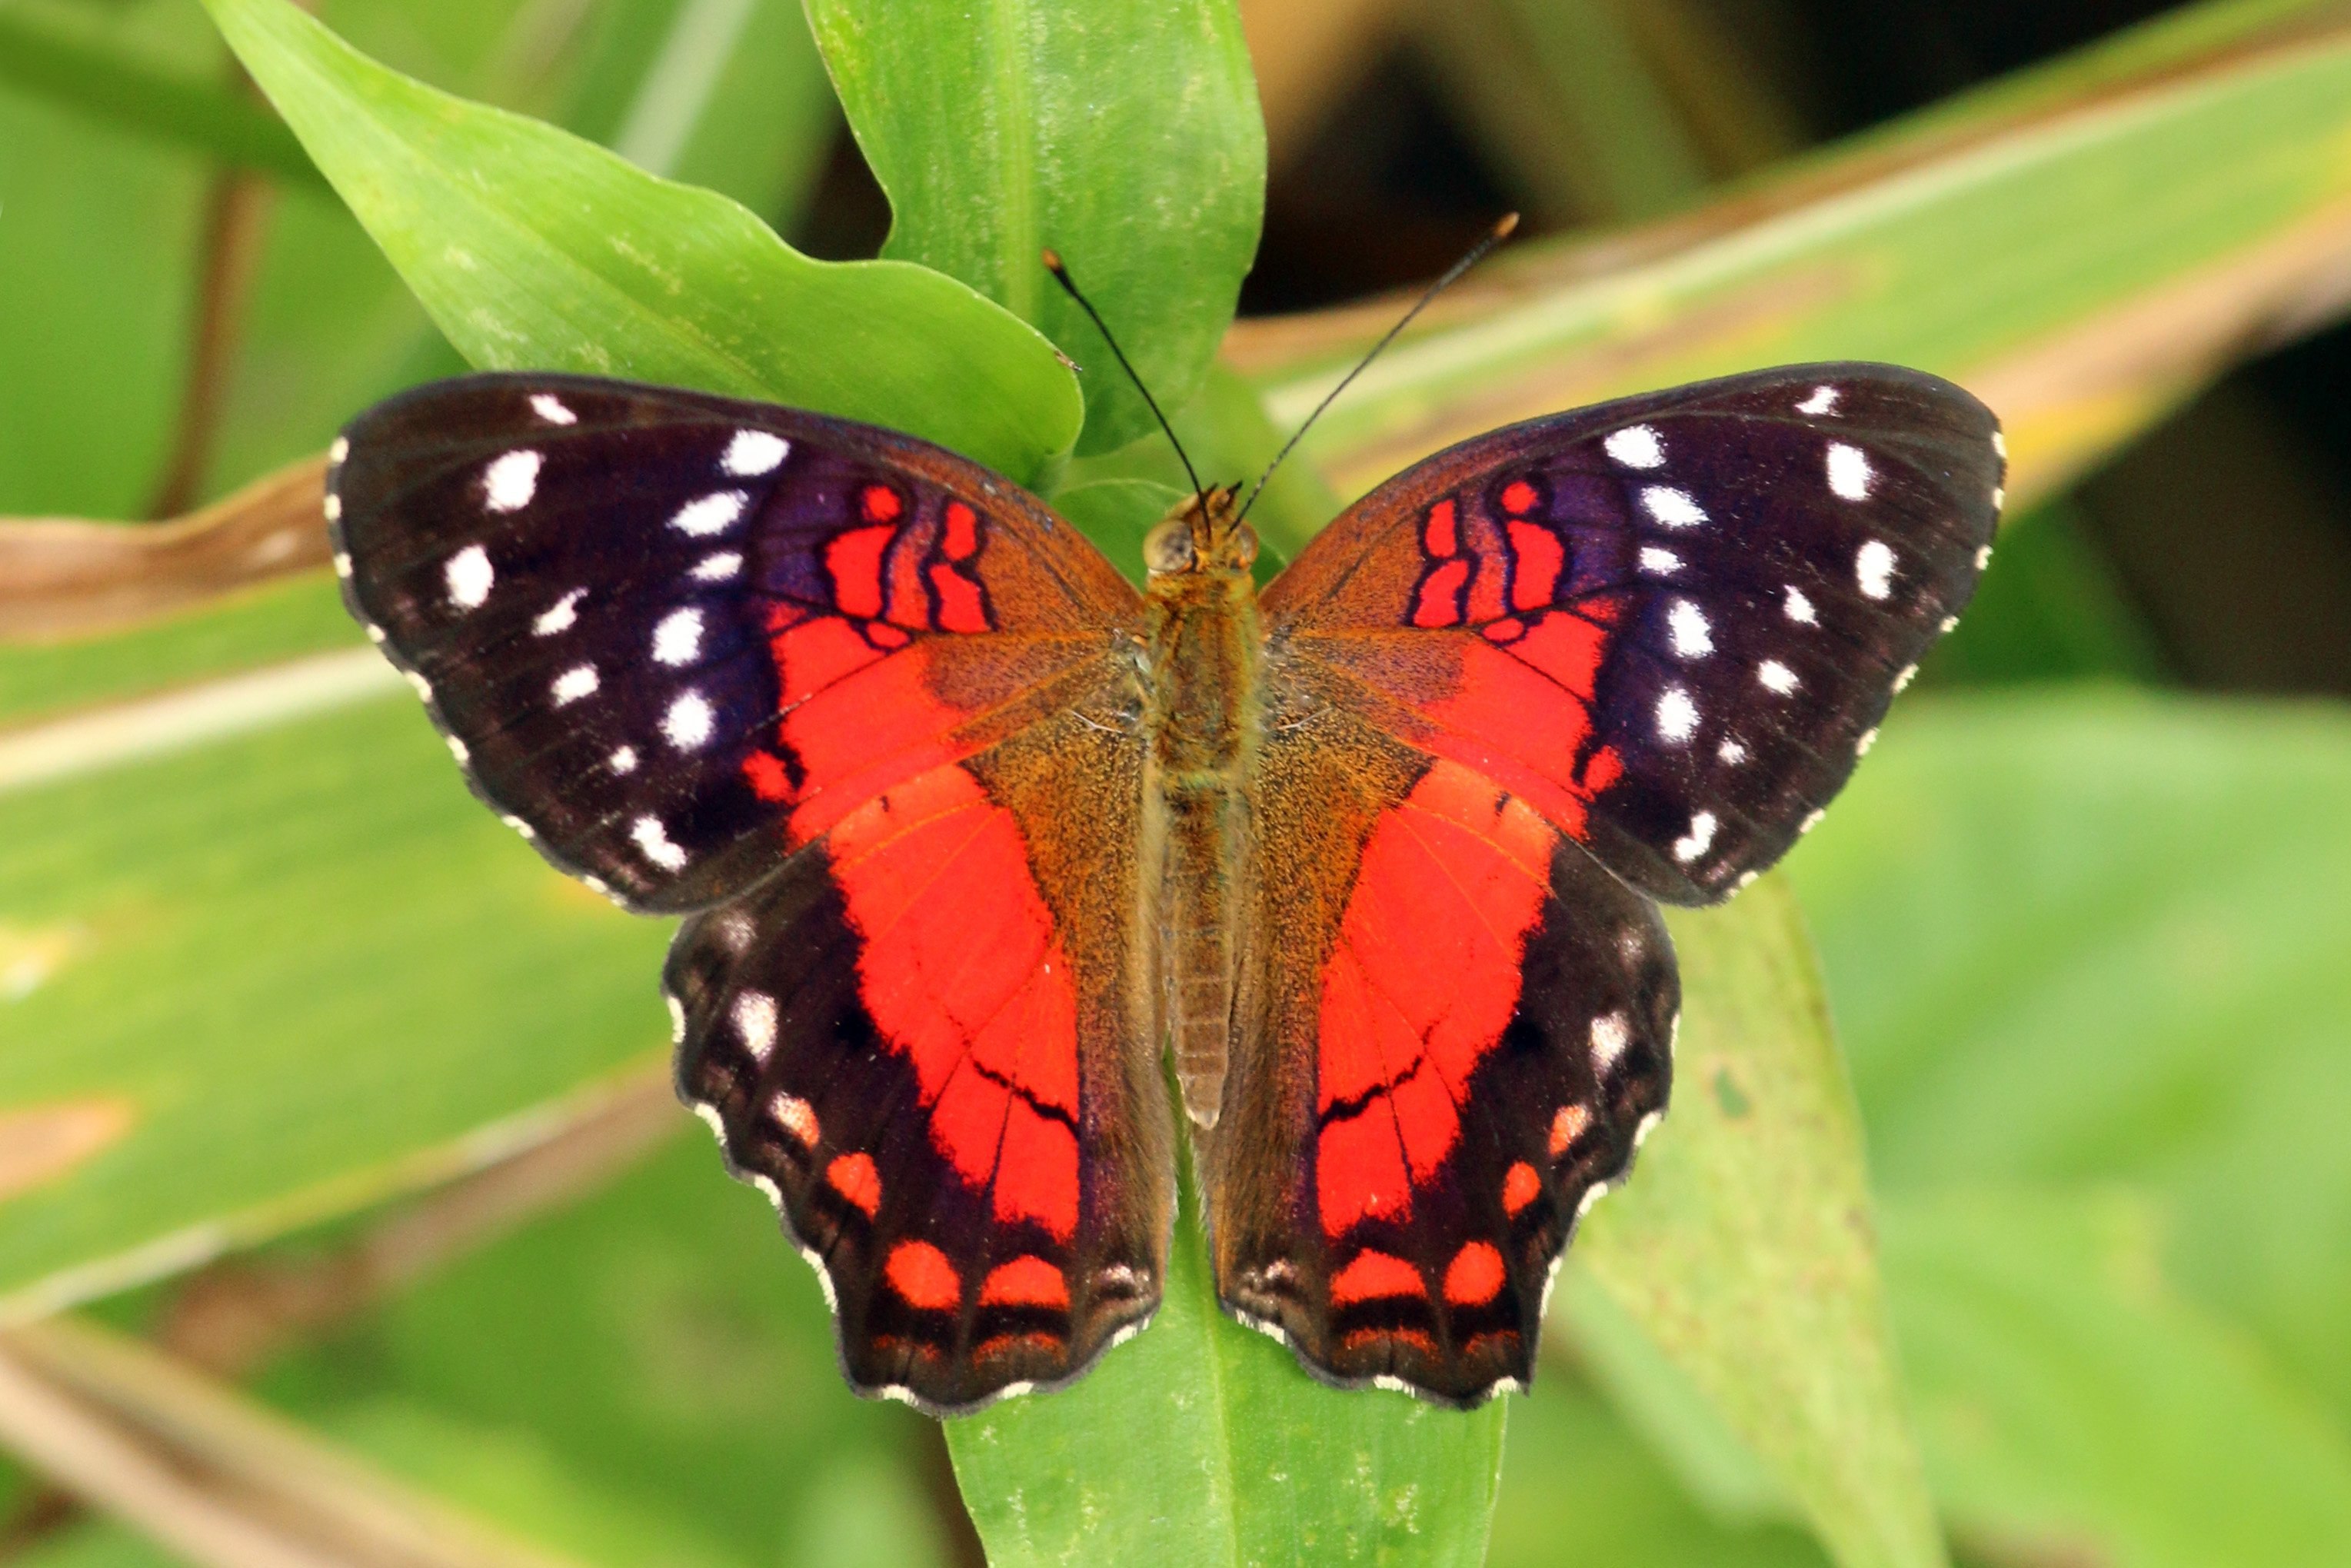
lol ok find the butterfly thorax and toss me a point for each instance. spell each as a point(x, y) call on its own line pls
point(1201, 716)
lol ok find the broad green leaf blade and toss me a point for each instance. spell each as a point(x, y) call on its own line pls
point(1741, 1242)
point(2100, 936)
point(532, 248)
point(1128, 139)
point(90, 73)
point(2074, 1409)
point(1202, 1442)
point(275, 968)
point(654, 1345)
point(2082, 247)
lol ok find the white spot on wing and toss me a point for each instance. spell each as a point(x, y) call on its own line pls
point(519, 826)
point(1662, 562)
point(755, 1022)
point(1677, 715)
point(1800, 608)
point(1984, 557)
point(1635, 446)
point(549, 407)
point(710, 1119)
point(510, 481)
point(1868, 738)
point(469, 576)
point(654, 840)
point(1873, 569)
point(712, 514)
point(558, 616)
point(1810, 822)
point(677, 637)
point(1693, 637)
point(623, 759)
point(754, 452)
point(334, 507)
point(578, 681)
point(1849, 473)
point(1823, 401)
point(340, 450)
point(1909, 673)
point(1776, 676)
point(717, 567)
point(1699, 839)
point(343, 564)
point(1733, 753)
point(1673, 508)
point(458, 750)
point(2000, 446)
point(792, 1113)
point(689, 722)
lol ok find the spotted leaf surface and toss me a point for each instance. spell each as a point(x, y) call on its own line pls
point(1670, 623)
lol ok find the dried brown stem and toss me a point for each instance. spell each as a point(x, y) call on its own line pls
point(62, 578)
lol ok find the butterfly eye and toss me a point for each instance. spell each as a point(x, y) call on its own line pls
point(1167, 547)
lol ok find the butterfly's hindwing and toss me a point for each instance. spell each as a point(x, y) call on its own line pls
point(926, 1054)
point(1670, 623)
point(1454, 1027)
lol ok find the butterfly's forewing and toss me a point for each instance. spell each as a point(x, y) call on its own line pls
point(1670, 623)
point(658, 625)
point(853, 699)
point(1455, 1027)
point(1648, 639)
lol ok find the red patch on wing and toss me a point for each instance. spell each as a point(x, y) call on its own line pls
point(1518, 497)
point(923, 1277)
point(1521, 1186)
point(853, 561)
point(1475, 1276)
point(1419, 986)
point(1520, 712)
point(1373, 1276)
point(1540, 557)
point(962, 531)
point(855, 1179)
point(961, 608)
point(1439, 535)
point(880, 504)
point(1439, 592)
point(962, 971)
point(1025, 1283)
point(857, 720)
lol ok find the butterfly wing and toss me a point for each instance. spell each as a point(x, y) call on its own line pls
point(1626, 651)
point(659, 626)
point(1669, 623)
point(1455, 1028)
point(868, 714)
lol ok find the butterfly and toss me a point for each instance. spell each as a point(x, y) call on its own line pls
point(993, 866)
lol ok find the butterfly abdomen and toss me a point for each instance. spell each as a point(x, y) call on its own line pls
point(1205, 655)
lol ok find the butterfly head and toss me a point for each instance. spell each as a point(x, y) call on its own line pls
point(1203, 534)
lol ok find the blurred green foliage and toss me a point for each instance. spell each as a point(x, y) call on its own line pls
point(2080, 939)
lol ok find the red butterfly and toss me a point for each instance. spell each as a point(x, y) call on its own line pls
point(969, 833)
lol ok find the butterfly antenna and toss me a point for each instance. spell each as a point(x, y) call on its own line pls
point(1069, 285)
point(1494, 237)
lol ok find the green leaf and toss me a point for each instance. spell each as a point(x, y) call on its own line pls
point(1202, 1442)
point(1741, 1244)
point(654, 1345)
point(93, 73)
point(2075, 1410)
point(1130, 141)
point(2082, 247)
point(2100, 936)
point(96, 240)
point(1580, 1486)
point(530, 247)
point(276, 974)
